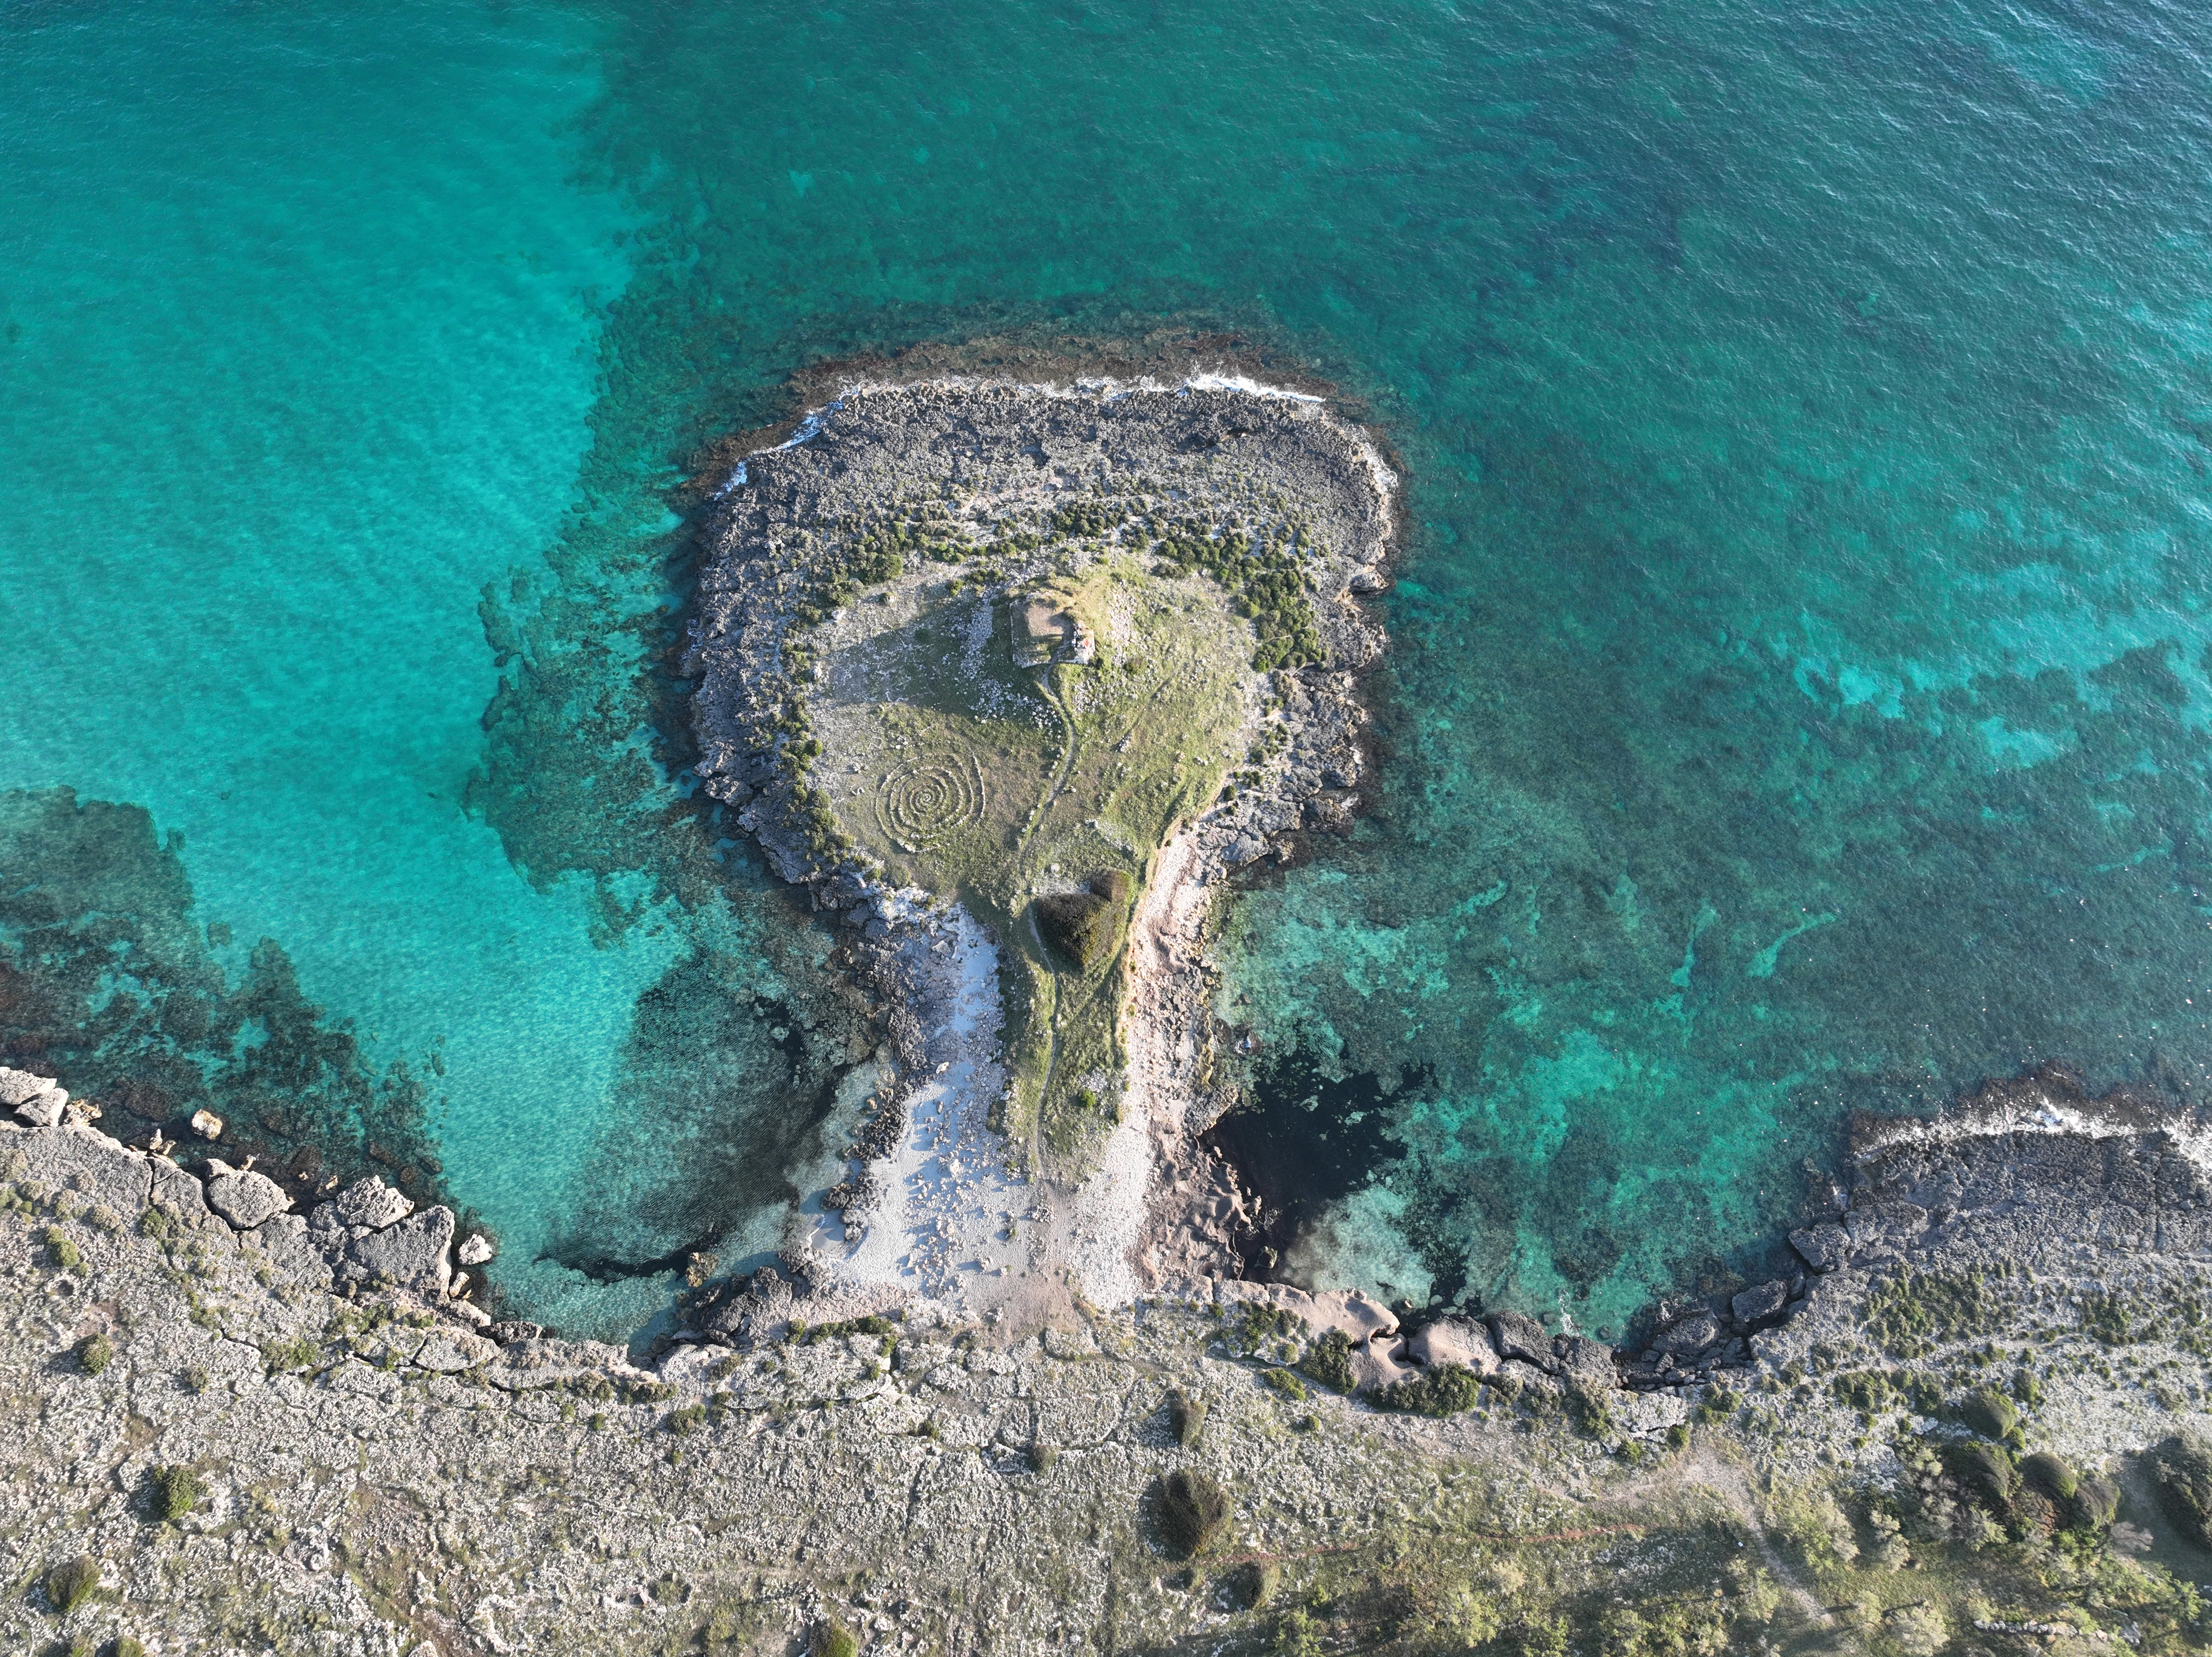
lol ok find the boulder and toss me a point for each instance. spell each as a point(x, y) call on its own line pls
point(1520, 1336)
point(1454, 1340)
point(20, 1087)
point(1379, 1362)
point(1693, 1332)
point(1764, 1302)
point(243, 1197)
point(449, 1351)
point(409, 1254)
point(507, 1333)
point(1590, 1361)
point(371, 1203)
point(1825, 1246)
point(284, 1239)
point(475, 1250)
point(175, 1190)
point(45, 1111)
point(742, 1312)
point(207, 1125)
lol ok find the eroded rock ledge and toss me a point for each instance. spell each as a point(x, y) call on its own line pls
point(1970, 1428)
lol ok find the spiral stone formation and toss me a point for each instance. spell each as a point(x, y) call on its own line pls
point(925, 804)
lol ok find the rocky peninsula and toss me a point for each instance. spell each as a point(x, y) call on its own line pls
point(1011, 678)
point(1968, 1421)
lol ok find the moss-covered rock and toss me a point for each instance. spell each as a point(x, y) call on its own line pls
point(2183, 1466)
point(1990, 1413)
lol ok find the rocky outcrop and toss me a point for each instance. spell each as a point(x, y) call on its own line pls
point(242, 1197)
point(37, 1100)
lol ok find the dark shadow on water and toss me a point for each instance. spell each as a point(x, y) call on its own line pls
point(1301, 1141)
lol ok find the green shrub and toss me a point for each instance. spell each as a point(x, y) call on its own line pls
point(70, 1584)
point(1990, 1413)
point(2096, 1502)
point(1295, 1636)
point(688, 1419)
point(286, 1356)
point(1250, 1586)
point(1445, 1390)
point(95, 1354)
point(2051, 1474)
point(831, 1638)
point(62, 1250)
point(1285, 1383)
point(1328, 1361)
point(1719, 1403)
point(1185, 1416)
point(173, 1492)
point(1191, 1509)
point(126, 1646)
point(1985, 1472)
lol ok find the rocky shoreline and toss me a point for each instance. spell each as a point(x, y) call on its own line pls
point(798, 531)
point(239, 1427)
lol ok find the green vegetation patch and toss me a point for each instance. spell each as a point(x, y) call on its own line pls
point(1917, 1312)
point(173, 1492)
point(1036, 794)
point(1445, 1390)
point(1191, 1509)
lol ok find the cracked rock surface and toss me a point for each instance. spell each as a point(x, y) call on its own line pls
point(377, 1474)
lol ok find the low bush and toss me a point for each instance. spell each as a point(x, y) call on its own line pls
point(61, 1250)
point(1185, 1416)
point(95, 1354)
point(173, 1492)
point(1991, 1414)
point(1445, 1390)
point(1191, 1509)
point(1328, 1361)
point(70, 1584)
point(2183, 1466)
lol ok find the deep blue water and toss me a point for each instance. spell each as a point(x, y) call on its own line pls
point(1801, 687)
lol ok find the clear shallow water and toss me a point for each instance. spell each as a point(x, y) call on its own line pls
point(1800, 689)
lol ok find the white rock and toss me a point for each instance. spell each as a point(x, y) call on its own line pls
point(19, 1087)
point(207, 1125)
point(1455, 1340)
point(45, 1111)
point(475, 1250)
point(374, 1204)
point(242, 1197)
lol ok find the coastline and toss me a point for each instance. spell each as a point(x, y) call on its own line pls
point(372, 1469)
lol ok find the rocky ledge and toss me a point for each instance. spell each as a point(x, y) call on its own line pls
point(1977, 1426)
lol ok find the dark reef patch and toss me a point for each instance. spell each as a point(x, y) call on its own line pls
point(1303, 1140)
point(108, 984)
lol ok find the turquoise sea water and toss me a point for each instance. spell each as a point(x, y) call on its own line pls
point(1801, 691)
